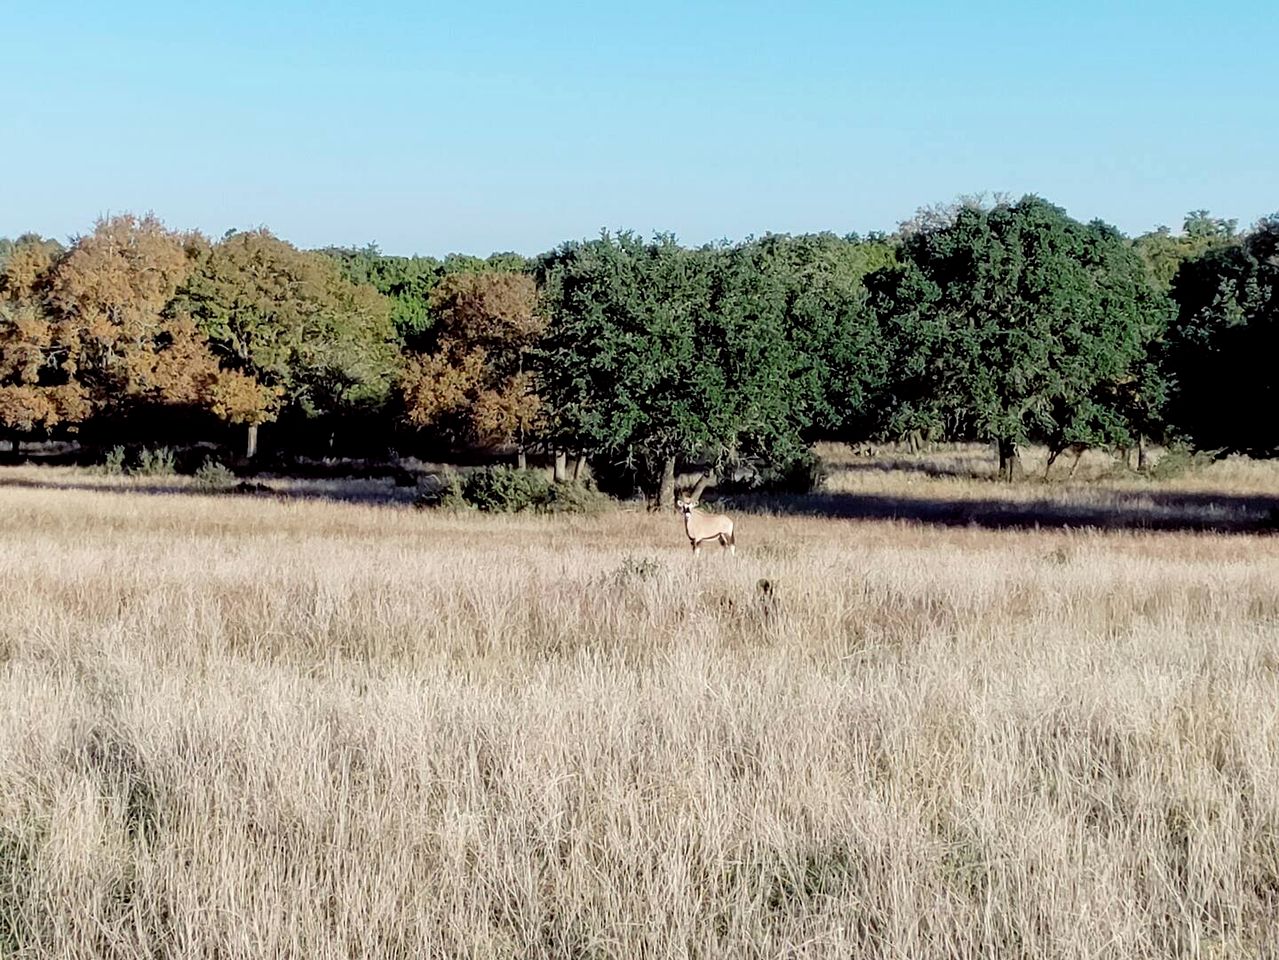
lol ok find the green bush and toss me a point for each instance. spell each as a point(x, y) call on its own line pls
point(155, 463)
point(446, 494)
point(802, 473)
point(214, 476)
point(112, 464)
point(505, 490)
point(636, 569)
point(573, 498)
point(1178, 461)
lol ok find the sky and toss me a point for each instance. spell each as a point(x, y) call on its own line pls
point(452, 127)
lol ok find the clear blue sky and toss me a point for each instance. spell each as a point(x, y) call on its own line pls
point(436, 127)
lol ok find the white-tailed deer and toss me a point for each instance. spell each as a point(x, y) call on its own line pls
point(701, 527)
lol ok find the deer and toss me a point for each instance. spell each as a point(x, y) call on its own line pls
point(701, 527)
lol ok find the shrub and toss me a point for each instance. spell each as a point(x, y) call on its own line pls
point(112, 464)
point(505, 490)
point(803, 473)
point(447, 493)
point(573, 498)
point(1178, 461)
point(155, 463)
point(635, 570)
point(214, 476)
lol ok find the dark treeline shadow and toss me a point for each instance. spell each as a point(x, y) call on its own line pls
point(1202, 511)
point(369, 492)
point(1153, 510)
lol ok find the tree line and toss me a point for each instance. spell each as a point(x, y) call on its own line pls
point(1004, 322)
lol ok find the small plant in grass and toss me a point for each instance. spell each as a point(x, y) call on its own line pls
point(636, 570)
point(214, 476)
point(112, 464)
point(155, 463)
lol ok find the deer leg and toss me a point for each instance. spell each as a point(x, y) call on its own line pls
point(1052, 458)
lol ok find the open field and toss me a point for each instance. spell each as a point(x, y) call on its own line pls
point(247, 727)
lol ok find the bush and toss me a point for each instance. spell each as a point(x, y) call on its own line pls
point(155, 463)
point(1178, 461)
point(214, 476)
point(637, 568)
point(803, 473)
point(112, 464)
point(446, 494)
point(505, 490)
point(573, 498)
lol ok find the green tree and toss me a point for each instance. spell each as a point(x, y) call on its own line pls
point(1164, 251)
point(292, 323)
point(409, 282)
point(1221, 347)
point(657, 354)
point(406, 281)
point(838, 359)
point(1015, 324)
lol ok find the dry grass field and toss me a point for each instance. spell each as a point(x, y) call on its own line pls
point(247, 727)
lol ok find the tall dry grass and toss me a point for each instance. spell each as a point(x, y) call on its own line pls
point(233, 727)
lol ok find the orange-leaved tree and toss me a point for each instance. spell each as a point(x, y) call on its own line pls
point(37, 359)
point(111, 295)
point(475, 386)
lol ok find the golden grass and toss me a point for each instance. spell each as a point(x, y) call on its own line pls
point(236, 727)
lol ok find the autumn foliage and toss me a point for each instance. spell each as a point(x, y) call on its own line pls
point(135, 315)
point(474, 386)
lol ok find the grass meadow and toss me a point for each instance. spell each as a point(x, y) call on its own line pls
point(969, 720)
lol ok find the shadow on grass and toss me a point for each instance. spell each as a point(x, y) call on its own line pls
point(956, 470)
point(1155, 510)
point(366, 492)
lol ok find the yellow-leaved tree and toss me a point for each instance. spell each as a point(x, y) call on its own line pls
point(38, 390)
point(474, 385)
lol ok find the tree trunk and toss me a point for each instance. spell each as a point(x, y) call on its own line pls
point(1009, 460)
point(579, 469)
point(1141, 453)
point(251, 446)
point(916, 441)
point(561, 466)
point(666, 488)
point(521, 459)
